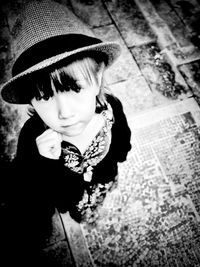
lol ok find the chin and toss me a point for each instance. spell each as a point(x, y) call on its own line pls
point(72, 132)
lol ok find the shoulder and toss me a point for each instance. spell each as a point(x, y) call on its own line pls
point(121, 132)
point(33, 120)
point(33, 125)
point(32, 128)
point(115, 103)
point(113, 100)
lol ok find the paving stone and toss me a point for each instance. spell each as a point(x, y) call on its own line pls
point(188, 11)
point(4, 66)
point(125, 66)
point(191, 73)
point(9, 130)
point(10, 115)
point(3, 19)
point(59, 255)
point(5, 55)
point(11, 9)
point(158, 72)
point(136, 96)
point(167, 27)
point(57, 231)
point(133, 93)
point(77, 244)
point(175, 23)
point(130, 22)
point(135, 31)
point(182, 55)
point(92, 12)
point(158, 25)
point(121, 8)
point(4, 39)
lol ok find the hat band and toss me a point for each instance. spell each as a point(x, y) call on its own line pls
point(51, 47)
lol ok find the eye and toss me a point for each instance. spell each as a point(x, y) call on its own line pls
point(81, 84)
point(76, 87)
point(43, 98)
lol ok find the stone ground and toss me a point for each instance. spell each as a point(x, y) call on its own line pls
point(159, 65)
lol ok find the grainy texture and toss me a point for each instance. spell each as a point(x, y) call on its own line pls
point(152, 217)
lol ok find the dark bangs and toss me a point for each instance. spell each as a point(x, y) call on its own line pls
point(42, 84)
point(65, 78)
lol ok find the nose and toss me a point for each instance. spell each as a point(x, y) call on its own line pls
point(65, 106)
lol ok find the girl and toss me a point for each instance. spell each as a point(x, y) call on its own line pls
point(69, 148)
point(77, 133)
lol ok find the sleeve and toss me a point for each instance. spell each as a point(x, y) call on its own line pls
point(35, 186)
point(28, 202)
point(37, 174)
point(121, 133)
point(26, 213)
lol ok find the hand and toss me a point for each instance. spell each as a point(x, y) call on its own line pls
point(49, 144)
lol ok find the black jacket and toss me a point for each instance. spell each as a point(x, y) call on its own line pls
point(52, 180)
point(37, 184)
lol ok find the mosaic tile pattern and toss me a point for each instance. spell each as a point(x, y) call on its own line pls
point(152, 217)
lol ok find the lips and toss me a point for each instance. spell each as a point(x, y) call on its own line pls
point(72, 129)
point(69, 125)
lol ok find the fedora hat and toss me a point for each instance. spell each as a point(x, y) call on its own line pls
point(44, 34)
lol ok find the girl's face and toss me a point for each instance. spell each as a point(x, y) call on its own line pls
point(69, 111)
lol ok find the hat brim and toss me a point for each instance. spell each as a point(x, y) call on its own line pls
point(13, 93)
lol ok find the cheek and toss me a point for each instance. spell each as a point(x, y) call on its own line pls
point(89, 98)
point(45, 112)
point(88, 106)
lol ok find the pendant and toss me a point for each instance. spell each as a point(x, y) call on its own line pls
point(87, 176)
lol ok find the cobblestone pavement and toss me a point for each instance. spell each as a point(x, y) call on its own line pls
point(159, 67)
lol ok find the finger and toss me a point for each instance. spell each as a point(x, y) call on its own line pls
point(48, 135)
point(49, 144)
point(47, 132)
point(56, 151)
point(50, 148)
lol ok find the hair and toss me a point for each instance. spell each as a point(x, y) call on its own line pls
point(64, 78)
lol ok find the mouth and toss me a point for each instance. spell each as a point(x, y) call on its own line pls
point(69, 125)
point(72, 129)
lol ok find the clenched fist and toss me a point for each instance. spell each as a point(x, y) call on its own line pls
point(49, 144)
